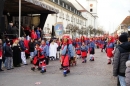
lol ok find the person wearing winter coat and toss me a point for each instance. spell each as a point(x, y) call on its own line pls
point(38, 33)
point(127, 73)
point(23, 48)
point(16, 53)
point(33, 34)
point(121, 55)
point(31, 48)
point(9, 56)
point(1, 55)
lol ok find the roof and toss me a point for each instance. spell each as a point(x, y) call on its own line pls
point(126, 20)
point(78, 6)
point(67, 2)
point(28, 6)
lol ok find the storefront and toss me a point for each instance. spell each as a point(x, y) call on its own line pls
point(10, 11)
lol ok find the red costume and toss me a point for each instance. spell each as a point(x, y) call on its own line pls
point(33, 35)
point(39, 60)
point(109, 49)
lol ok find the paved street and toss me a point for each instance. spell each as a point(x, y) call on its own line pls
point(96, 73)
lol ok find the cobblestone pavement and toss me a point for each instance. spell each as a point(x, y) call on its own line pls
point(96, 73)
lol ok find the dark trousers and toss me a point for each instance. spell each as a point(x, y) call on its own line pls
point(0, 63)
point(118, 82)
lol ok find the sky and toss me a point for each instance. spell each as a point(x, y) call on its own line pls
point(111, 13)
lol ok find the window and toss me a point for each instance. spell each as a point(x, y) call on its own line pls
point(71, 19)
point(63, 4)
point(60, 15)
point(74, 10)
point(66, 16)
point(66, 6)
point(63, 15)
point(91, 10)
point(57, 15)
point(70, 8)
point(56, 1)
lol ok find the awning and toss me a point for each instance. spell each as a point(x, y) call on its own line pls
point(28, 7)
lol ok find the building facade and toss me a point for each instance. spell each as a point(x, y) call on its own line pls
point(124, 26)
point(91, 6)
point(68, 15)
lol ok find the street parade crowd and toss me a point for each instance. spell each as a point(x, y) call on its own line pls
point(41, 50)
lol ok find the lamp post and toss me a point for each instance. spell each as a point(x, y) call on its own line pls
point(19, 16)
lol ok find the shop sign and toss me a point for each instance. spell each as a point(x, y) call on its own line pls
point(58, 29)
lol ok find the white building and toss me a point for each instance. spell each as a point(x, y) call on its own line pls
point(91, 6)
point(72, 12)
point(124, 26)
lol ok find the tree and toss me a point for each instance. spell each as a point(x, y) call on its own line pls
point(90, 30)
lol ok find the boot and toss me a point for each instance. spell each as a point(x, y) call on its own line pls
point(39, 68)
point(64, 73)
point(33, 68)
point(42, 71)
point(61, 67)
point(68, 71)
point(85, 61)
point(109, 61)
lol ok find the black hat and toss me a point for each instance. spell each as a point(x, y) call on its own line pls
point(7, 41)
point(125, 33)
point(123, 38)
point(37, 43)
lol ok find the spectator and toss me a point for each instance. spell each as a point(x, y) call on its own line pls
point(15, 32)
point(23, 48)
point(22, 32)
point(53, 50)
point(33, 34)
point(31, 48)
point(8, 55)
point(38, 33)
point(16, 53)
point(127, 73)
point(121, 55)
point(9, 28)
point(1, 55)
point(58, 48)
point(41, 32)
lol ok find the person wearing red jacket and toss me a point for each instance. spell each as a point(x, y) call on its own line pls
point(67, 54)
point(39, 59)
point(109, 49)
point(1, 55)
point(33, 34)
